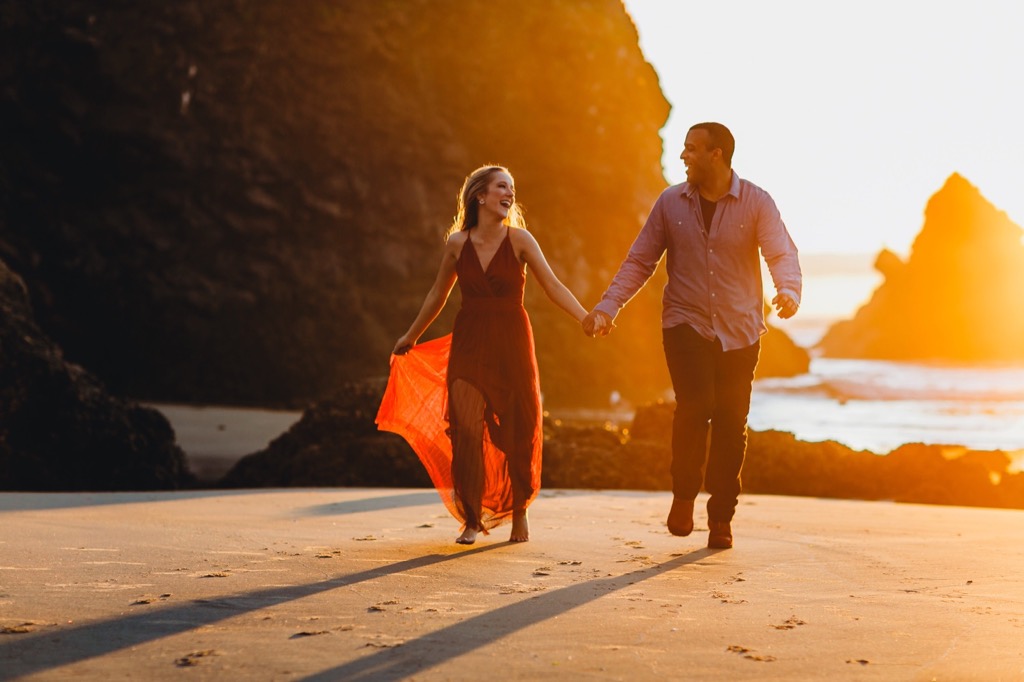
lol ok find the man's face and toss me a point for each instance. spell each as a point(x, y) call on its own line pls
point(697, 156)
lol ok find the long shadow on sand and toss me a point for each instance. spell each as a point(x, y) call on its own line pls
point(37, 501)
point(442, 645)
point(409, 499)
point(24, 655)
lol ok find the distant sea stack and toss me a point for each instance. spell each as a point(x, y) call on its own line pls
point(959, 297)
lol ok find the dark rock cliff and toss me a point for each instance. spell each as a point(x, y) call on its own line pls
point(959, 296)
point(59, 427)
point(243, 202)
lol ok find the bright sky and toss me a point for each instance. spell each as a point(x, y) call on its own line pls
point(850, 114)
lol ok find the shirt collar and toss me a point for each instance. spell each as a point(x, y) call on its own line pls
point(734, 187)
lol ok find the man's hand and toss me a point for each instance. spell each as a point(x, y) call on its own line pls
point(785, 306)
point(597, 324)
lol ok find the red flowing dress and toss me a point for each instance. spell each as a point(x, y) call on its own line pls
point(491, 349)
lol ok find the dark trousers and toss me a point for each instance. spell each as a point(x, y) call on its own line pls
point(712, 389)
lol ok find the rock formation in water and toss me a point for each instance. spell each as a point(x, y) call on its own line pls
point(244, 202)
point(60, 429)
point(335, 443)
point(959, 296)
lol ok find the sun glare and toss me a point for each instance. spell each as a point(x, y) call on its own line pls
point(803, 106)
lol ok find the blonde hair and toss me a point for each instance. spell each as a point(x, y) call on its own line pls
point(467, 213)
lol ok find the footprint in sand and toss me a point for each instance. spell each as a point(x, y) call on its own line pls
point(309, 633)
point(193, 658)
point(736, 579)
point(381, 643)
point(379, 606)
point(790, 623)
point(519, 588)
point(726, 598)
point(750, 654)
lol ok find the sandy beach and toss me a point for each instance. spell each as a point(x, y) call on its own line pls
point(354, 584)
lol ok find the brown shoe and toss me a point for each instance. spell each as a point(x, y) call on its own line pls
point(720, 536)
point(680, 517)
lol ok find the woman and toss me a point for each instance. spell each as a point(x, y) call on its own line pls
point(482, 378)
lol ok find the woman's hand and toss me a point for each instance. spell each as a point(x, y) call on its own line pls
point(597, 323)
point(403, 345)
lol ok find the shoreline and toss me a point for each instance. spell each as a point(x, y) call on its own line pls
point(338, 445)
point(215, 437)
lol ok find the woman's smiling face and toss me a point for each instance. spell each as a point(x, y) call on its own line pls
point(500, 195)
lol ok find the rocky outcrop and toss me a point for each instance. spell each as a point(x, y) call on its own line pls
point(780, 356)
point(60, 429)
point(959, 296)
point(779, 464)
point(238, 202)
point(336, 443)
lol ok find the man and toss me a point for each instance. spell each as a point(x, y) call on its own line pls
point(711, 227)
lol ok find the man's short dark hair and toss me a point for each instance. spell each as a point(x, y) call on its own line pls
point(720, 138)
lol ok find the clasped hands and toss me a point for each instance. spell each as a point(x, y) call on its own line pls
point(597, 324)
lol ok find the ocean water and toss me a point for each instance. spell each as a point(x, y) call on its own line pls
point(879, 405)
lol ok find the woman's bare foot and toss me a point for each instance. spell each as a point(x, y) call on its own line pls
point(520, 527)
point(468, 536)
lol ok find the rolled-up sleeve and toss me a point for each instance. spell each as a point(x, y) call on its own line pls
point(778, 249)
point(640, 263)
point(714, 274)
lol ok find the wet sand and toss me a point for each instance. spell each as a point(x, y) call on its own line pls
point(355, 584)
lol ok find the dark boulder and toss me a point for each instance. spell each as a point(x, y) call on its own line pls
point(59, 427)
point(781, 356)
point(335, 443)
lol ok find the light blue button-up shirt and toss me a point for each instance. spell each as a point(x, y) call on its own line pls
point(714, 279)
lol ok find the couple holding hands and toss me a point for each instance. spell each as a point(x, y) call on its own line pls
point(469, 403)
